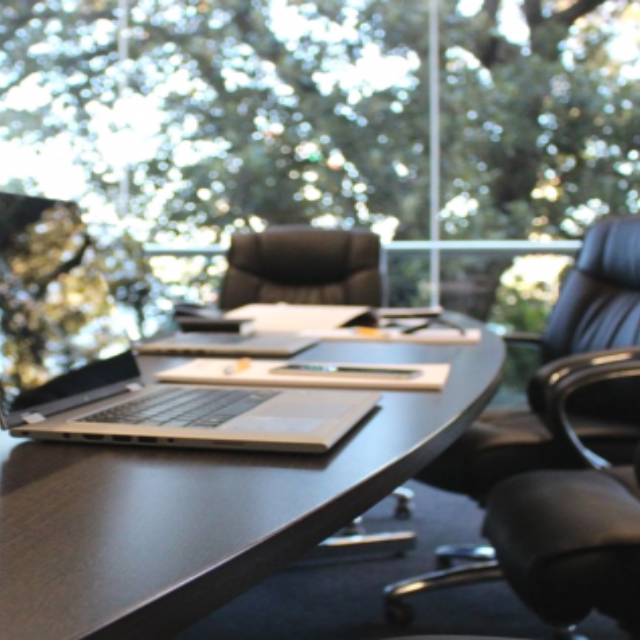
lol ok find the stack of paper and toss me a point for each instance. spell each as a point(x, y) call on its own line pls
point(297, 317)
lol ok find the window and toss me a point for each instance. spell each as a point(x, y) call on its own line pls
point(178, 122)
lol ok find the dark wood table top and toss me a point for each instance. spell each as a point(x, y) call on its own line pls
point(128, 543)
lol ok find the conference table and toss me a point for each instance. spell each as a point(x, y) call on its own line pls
point(109, 542)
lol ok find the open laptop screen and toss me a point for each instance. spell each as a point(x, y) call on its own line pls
point(56, 314)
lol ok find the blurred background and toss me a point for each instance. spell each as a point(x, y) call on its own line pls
point(479, 138)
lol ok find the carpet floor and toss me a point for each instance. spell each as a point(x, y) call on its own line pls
point(342, 600)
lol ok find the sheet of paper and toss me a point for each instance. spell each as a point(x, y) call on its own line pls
point(297, 317)
point(258, 372)
point(424, 336)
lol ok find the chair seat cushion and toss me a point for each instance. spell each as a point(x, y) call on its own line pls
point(569, 541)
point(504, 443)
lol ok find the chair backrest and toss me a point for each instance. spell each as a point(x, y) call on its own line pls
point(599, 304)
point(304, 265)
point(599, 308)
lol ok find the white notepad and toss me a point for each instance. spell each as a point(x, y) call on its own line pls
point(432, 377)
point(297, 317)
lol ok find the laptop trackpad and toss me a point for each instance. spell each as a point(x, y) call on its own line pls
point(284, 415)
point(272, 424)
point(285, 408)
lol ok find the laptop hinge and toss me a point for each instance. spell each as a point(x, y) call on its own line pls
point(134, 386)
point(33, 418)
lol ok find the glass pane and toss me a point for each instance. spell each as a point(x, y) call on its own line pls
point(62, 133)
point(59, 84)
point(235, 114)
point(528, 285)
point(190, 279)
point(228, 113)
point(275, 112)
point(537, 117)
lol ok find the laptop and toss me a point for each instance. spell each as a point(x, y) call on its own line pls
point(197, 343)
point(68, 373)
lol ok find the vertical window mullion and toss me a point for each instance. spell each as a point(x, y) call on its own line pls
point(123, 95)
point(434, 149)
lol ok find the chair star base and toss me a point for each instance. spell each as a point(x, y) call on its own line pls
point(398, 611)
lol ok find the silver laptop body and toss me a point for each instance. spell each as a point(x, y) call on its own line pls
point(68, 372)
point(270, 344)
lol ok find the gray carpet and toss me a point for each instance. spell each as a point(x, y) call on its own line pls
point(343, 600)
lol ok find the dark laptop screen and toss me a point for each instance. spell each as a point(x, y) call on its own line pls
point(57, 317)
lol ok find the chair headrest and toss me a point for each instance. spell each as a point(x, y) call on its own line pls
point(611, 251)
point(318, 255)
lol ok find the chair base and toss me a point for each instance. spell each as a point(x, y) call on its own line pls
point(404, 502)
point(451, 637)
point(569, 633)
point(395, 543)
point(398, 611)
point(448, 554)
point(353, 541)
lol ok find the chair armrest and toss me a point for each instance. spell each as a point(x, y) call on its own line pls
point(555, 382)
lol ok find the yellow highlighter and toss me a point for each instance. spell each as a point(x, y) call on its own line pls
point(238, 366)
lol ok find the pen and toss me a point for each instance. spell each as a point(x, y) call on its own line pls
point(436, 321)
point(239, 365)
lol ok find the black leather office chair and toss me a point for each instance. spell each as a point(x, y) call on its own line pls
point(568, 541)
point(598, 309)
point(303, 265)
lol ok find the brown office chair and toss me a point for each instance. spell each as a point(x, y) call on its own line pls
point(598, 309)
point(303, 265)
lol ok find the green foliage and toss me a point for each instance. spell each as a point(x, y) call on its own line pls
point(229, 113)
point(523, 309)
point(520, 364)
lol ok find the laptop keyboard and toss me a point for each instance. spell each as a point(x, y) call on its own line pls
point(183, 407)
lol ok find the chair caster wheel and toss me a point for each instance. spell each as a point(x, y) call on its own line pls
point(398, 612)
point(354, 528)
point(443, 563)
point(404, 503)
point(403, 511)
